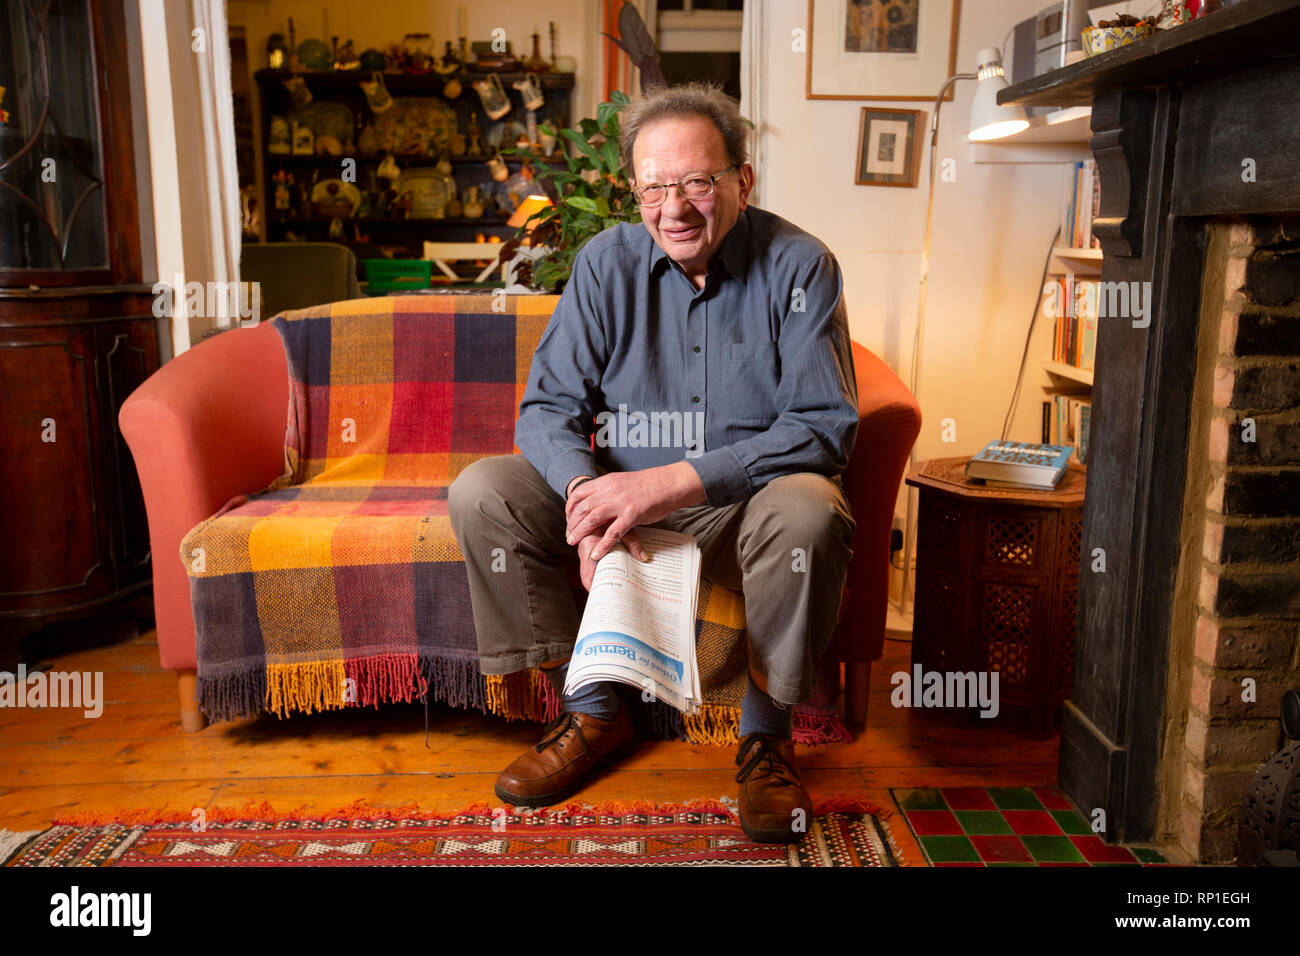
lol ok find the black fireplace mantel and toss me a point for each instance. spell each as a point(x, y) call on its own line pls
point(1198, 122)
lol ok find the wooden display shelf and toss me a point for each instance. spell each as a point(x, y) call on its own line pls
point(288, 159)
point(1083, 376)
point(388, 220)
point(348, 79)
point(1082, 261)
point(1057, 137)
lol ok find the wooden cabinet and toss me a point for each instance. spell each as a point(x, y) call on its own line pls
point(70, 502)
point(77, 326)
point(69, 495)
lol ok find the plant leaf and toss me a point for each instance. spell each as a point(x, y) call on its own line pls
point(576, 138)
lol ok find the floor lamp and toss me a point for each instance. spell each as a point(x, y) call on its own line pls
point(988, 121)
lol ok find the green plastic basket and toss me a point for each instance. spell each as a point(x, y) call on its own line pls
point(392, 275)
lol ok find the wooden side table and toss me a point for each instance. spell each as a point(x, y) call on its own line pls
point(997, 576)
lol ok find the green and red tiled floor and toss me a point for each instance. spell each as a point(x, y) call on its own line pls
point(1009, 826)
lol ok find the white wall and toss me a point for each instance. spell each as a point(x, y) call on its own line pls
point(992, 227)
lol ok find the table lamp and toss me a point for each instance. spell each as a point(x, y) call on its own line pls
point(531, 204)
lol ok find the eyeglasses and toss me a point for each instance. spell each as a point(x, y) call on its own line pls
point(696, 186)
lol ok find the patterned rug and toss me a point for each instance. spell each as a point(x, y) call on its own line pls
point(1009, 826)
point(843, 832)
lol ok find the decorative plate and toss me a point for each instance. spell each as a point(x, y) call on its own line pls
point(415, 126)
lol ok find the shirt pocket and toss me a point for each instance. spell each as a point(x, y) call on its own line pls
point(741, 352)
point(746, 395)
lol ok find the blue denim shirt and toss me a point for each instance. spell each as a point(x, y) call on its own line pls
point(634, 352)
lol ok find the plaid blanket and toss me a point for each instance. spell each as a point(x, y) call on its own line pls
point(341, 584)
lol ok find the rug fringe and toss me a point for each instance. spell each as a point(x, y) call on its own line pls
point(359, 809)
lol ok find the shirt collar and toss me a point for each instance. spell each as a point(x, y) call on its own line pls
point(734, 252)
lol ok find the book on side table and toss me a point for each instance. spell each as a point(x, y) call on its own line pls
point(1018, 464)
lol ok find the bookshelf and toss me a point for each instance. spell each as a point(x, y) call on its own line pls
point(1061, 137)
point(1072, 308)
point(1070, 373)
point(1079, 261)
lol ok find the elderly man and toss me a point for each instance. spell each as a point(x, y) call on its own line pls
point(734, 318)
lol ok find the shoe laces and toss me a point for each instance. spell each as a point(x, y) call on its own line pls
point(558, 728)
point(763, 754)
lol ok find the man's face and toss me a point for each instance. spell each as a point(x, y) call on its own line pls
point(689, 231)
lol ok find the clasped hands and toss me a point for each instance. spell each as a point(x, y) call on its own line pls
point(603, 511)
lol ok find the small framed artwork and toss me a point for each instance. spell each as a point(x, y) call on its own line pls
point(881, 49)
point(889, 147)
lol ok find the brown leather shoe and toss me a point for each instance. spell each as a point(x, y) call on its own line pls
point(558, 765)
point(771, 791)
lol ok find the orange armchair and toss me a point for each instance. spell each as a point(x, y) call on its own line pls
point(210, 425)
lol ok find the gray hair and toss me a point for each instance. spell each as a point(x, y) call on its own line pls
point(689, 99)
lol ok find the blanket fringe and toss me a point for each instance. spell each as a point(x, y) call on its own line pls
point(241, 694)
point(305, 687)
point(387, 678)
point(456, 682)
point(815, 730)
point(714, 725)
point(513, 696)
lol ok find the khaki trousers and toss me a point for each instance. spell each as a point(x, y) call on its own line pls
point(787, 549)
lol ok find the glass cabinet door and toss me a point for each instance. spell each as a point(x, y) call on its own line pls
point(52, 195)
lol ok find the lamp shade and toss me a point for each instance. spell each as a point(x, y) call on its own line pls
point(530, 205)
point(988, 120)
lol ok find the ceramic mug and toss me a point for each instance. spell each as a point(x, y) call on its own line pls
point(376, 93)
point(495, 102)
point(531, 91)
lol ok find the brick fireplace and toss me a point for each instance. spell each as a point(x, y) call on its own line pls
point(1188, 638)
point(1233, 644)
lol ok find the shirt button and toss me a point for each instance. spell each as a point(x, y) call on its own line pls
point(697, 348)
point(695, 399)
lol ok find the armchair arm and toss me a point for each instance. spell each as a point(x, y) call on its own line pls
point(890, 422)
point(206, 427)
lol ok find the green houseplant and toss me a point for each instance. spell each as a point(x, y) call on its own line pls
point(593, 193)
point(593, 196)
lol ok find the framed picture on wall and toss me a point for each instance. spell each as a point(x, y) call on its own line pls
point(889, 147)
point(881, 49)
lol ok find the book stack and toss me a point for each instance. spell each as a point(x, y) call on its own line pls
point(1082, 206)
point(1073, 304)
point(1067, 420)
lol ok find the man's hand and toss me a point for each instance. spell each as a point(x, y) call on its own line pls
point(618, 502)
point(587, 565)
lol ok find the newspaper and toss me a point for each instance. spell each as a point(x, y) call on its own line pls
point(639, 623)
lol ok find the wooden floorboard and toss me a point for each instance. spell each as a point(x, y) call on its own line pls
point(135, 756)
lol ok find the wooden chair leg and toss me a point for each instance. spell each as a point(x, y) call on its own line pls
point(857, 682)
point(192, 719)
